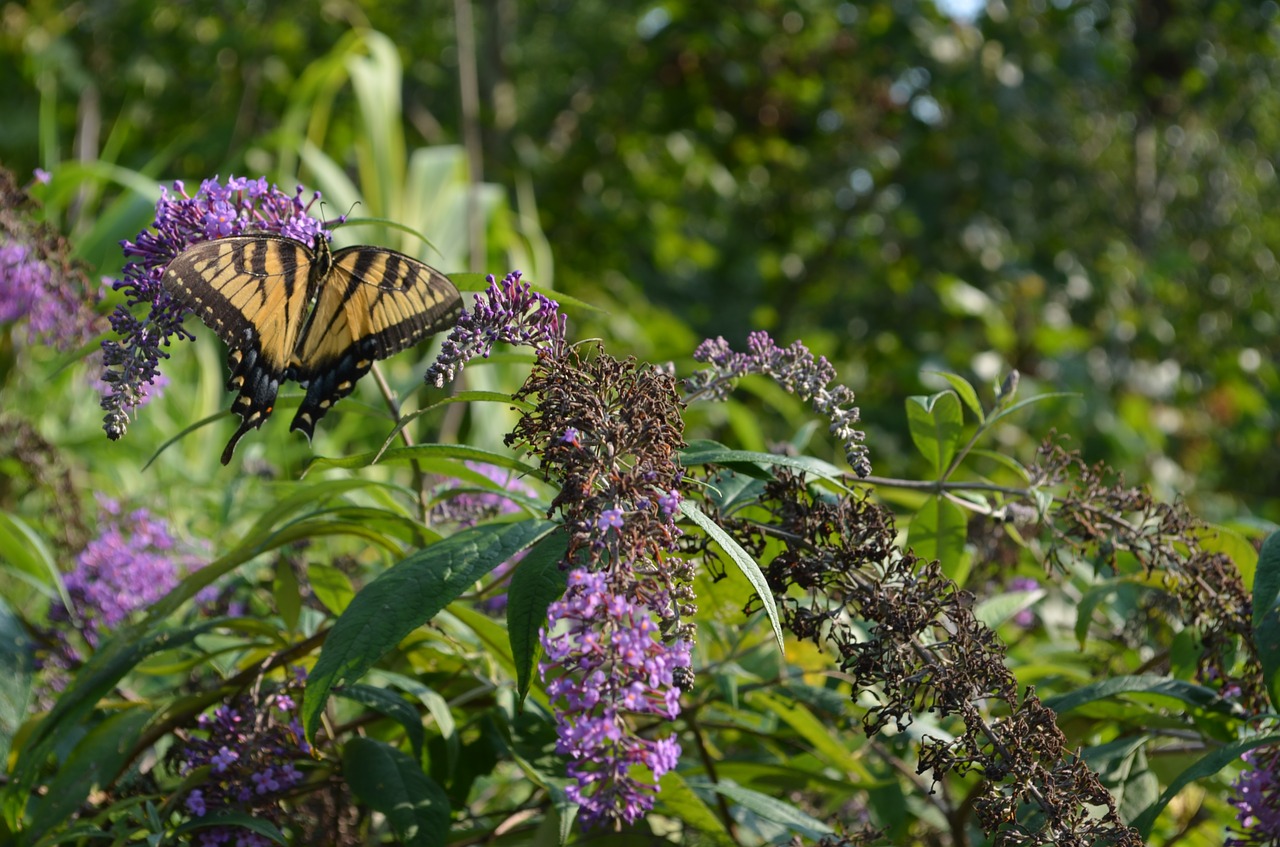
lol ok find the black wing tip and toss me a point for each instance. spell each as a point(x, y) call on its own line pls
point(302, 423)
point(245, 426)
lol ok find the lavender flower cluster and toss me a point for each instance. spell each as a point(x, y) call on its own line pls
point(611, 665)
point(795, 369)
point(250, 755)
point(182, 220)
point(1257, 799)
point(40, 287)
point(508, 311)
point(132, 563)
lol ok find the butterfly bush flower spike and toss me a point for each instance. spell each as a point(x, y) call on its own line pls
point(250, 748)
point(617, 645)
point(508, 311)
point(795, 369)
point(240, 206)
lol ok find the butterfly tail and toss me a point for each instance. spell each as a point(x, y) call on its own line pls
point(325, 389)
point(257, 386)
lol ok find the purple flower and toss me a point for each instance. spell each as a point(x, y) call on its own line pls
point(795, 369)
point(216, 211)
point(609, 519)
point(1257, 799)
point(195, 803)
point(508, 311)
point(610, 663)
point(223, 759)
point(619, 639)
point(669, 503)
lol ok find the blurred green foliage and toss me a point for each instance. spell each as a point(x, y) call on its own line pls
point(1074, 189)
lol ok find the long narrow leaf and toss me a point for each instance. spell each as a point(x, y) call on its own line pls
point(406, 596)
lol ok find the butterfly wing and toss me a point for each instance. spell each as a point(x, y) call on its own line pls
point(373, 303)
point(252, 291)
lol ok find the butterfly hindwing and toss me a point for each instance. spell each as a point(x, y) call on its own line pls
point(374, 303)
point(252, 291)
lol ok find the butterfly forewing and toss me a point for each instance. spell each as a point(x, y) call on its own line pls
point(250, 290)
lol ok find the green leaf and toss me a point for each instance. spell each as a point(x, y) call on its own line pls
point(1266, 579)
point(1204, 767)
point(287, 595)
point(1124, 768)
point(406, 596)
point(93, 764)
point(538, 581)
point(1039, 398)
point(772, 809)
point(938, 531)
point(331, 586)
point(423, 451)
point(935, 423)
point(816, 732)
point(389, 781)
point(1216, 538)
point(1197, 696)
point(264, 828)
point(16, 667)
point(678, 800)
point(997, 610)
point(743, 560)
point(24, 550)
point(1266, 614)
point(965, 391)
point(391, 705)
point(753, 462)
point(129, 646)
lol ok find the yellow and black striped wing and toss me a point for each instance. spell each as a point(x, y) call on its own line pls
point(252, 291)
point(373, 303)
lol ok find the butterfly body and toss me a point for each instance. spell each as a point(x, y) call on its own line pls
point(292, 312)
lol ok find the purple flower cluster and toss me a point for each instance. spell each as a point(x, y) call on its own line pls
point(796, 370)
point(1257, 799)
point(610, 664)
point(250, 752)
point(37, 288)
point(132, 563)
point(242, 205)
point(508, 311)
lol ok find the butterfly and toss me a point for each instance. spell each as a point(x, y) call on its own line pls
point(309, 314)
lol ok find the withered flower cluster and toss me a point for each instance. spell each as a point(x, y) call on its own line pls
point(922, 650)
point(1101, 519)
